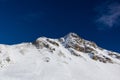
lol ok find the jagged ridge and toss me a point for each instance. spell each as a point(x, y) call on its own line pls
point(73, 43)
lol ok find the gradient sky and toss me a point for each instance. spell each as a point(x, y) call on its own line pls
point(94, 20)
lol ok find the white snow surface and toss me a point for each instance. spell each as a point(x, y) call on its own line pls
point(26, 62)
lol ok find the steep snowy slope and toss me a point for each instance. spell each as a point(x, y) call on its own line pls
point(67, 58)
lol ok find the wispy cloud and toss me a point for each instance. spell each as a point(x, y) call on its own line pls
point(108, 15)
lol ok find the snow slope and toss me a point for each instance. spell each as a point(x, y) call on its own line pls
point(67, 58)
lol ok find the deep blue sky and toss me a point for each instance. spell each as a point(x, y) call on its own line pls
point(26, 20)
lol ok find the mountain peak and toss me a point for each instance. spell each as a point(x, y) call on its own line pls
point(72, 35)
point(68, 58)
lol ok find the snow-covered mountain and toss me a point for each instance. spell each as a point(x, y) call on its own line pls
point(68, 58)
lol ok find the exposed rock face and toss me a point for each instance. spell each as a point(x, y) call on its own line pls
point(52, 42)
point(44, 43)
point(89, 50)
point(101, 58)
point(114, 55)
point(40, 44)
point(72, 40)
point(75, 42)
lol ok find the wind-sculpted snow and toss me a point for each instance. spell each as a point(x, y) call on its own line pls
point(68, 58)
